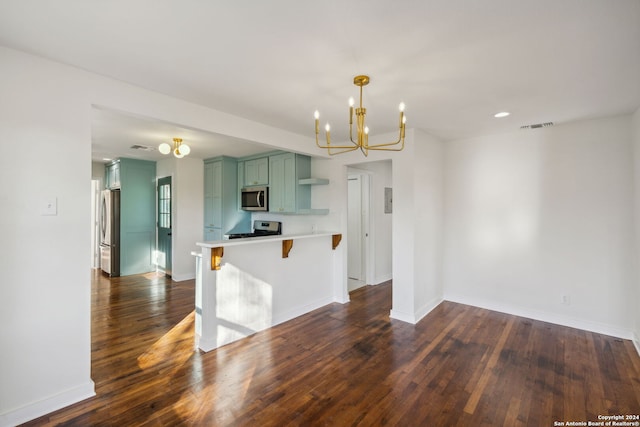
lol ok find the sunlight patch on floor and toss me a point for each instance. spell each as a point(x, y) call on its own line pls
point(170, 345)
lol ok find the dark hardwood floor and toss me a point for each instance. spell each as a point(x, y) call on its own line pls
point(344, 365)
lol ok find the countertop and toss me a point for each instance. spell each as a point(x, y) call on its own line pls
point(253, 240)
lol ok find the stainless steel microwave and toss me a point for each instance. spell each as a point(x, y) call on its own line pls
point(255, 198)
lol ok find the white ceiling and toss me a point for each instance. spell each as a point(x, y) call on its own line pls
point(115, 133)
point(453, 62)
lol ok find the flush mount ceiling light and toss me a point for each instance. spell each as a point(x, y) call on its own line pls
point(179, 149)
point(501, 114)
point(362, 131)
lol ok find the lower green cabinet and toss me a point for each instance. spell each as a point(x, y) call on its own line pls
point(212, 233)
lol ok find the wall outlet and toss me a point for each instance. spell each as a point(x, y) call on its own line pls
point(565, 299)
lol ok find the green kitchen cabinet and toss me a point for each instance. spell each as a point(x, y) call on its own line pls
point(137, 182)
point(112, 175)
point(286, 195)
point(221, 213)
point(256, 172)
point(212, 233)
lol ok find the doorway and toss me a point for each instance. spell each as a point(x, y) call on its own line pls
point(358, 230)
point(369, 224)
point(163, 253)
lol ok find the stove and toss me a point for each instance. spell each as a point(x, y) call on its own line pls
point(260, 229)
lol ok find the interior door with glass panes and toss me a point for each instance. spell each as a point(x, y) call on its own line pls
point(163, 252)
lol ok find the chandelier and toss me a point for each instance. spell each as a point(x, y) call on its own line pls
point(362, 131)
point(179, 149)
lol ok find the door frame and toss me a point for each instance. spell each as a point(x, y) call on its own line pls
point(96, 219)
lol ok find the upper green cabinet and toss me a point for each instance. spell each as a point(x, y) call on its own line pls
point(112, 175)
point(286, 195)
point(288, 176)
point(221, 213)
point(256, 172)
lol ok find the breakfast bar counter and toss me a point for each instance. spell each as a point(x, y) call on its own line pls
point(251, 240)
point(247, 285)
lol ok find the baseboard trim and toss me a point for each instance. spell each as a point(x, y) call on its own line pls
point(404, 317)
point(418, 315)
point(382, 279)
point(48, 405)
point(427, 308)
point(586, 325)
point(204, 344)
point(342, 300)
point(183, 277)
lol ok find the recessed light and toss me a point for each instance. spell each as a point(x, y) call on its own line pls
point(501, 114)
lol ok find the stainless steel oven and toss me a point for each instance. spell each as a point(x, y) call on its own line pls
point(255, 198)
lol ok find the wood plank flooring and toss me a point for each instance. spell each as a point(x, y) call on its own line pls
point(344, 365)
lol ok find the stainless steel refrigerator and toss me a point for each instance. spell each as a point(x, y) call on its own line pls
point(110, 232)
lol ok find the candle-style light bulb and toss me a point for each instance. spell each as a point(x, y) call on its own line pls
point(351, 101)
point(327, 127)
point(366, 130)
point(401, 107)
point(404, 119)
point(316, 115)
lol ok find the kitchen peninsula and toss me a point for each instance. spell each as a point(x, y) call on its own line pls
point(247, 285)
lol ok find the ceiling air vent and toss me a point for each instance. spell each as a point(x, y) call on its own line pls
point(537, 125)
point(141, 147)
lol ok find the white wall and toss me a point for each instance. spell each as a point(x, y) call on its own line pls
point(45, 292)
point(97, 172)
point(636, 180)
point(537, 214)
point(428, 222)
point(188, 216)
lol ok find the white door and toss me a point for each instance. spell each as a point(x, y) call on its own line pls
point(355, 234)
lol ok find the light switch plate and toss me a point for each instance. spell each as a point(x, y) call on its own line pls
point(50, 206)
